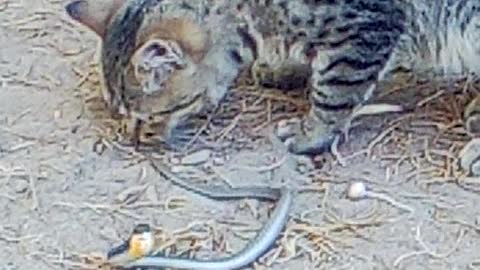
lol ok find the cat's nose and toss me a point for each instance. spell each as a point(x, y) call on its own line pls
point(180, 65)
point(75, 9)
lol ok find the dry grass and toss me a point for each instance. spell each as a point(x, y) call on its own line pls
point(420, 146)
point(248, 111)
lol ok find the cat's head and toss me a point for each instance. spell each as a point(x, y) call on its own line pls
point(161, 71)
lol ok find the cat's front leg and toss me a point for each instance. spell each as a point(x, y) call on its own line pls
point(350, 58)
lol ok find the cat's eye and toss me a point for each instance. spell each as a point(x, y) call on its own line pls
point(159, 50)
point(149, 135)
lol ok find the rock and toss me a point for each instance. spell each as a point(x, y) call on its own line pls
point(475, 170)
point(471, 116)
point(472, 124)
point(470, 157)
point(20, 186)
point(220, 159)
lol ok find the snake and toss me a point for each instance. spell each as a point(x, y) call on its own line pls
point(252, 251)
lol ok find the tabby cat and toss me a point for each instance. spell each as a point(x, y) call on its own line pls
point(166, 60)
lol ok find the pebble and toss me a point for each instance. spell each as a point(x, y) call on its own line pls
point(470, 157)
point(473, 124)
point(57, 115)
point(475, 170)
point(196, 158)
point(220, 159)
point(20, 186)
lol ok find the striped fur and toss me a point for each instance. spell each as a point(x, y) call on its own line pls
point(118, 48)
point(354, 44)
point(341, 48)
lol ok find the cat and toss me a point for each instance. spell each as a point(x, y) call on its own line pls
point(164, 61)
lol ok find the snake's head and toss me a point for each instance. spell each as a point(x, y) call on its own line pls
point(141, 241)
point(140, 244)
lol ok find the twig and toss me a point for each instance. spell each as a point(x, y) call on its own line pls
point(33, 190)
point(428, 99)
point(426, 250)
point(358, 190)
point(336, 153)
point(382, 135)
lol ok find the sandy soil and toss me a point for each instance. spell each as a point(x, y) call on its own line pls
point(67, 195)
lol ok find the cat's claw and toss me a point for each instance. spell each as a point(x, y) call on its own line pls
point(305, 136)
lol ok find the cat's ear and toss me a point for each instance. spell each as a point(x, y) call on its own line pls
point(94, 14)
point(147, 63)
point(151, 49)
point(155, 61)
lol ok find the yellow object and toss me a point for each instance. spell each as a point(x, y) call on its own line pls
point(137, 247)
point(139, 244)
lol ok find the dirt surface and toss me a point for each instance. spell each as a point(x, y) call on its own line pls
point(68, 192)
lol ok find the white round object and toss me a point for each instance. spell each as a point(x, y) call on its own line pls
point(357, 190)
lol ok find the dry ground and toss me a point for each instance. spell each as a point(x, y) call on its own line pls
point(68, 193)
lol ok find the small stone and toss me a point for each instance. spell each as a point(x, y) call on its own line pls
point(197, 158)
point(476, 168)
point(220, 159)
point(284, 129)
point(471, 116)
point(57, 114)
point(20, 186)
point(472, 124)
point(472, 108)
point(470, 157)
point(43, 174)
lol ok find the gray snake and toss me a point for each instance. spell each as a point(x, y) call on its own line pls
point(256, 248)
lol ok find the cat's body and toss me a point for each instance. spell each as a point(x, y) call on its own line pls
point(342, 48)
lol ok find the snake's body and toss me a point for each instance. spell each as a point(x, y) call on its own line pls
point(264, 240)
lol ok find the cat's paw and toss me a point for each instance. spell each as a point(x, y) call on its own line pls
point(305, 136)
point(283, 78)
point(470, 157)
point(471, 116)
